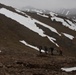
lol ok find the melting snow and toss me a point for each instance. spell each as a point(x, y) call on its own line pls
point(73, 27)
point(19, 11)
point(53, 14)
point(28, 10)
point(47, 26)
point(52, 40)
point(69, 69)
point(28, 44)
point(69, 36)
point(0, 51)
point(25, 43)
point(22, 20)
point(22, 13)
point(28, 22)
point(63, 11)
point(38, 11)
point(43, 15)
point(67, 13)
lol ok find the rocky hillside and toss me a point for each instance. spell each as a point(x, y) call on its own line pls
point(37, 28)
point(22, 32)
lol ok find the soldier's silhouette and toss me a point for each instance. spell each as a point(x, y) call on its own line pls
point(60, 51)
point(40, 48)
point(45, 49)
point(52, 49)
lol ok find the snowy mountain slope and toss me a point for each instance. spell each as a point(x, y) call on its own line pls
point(71, 13)
point(37, 29)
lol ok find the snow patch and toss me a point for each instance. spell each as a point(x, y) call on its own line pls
point(68, 69)
point(28, 22)
point(45, 25)
point(43, 15)
point(53, 14)
point(17, 10)
point(68, 36)
point(67, 13)
point(63, 11)
point(25, 43)
point(52, 40)
point(72, 26)
point(28, 10)
point(28, 44)
point(0, 51)
point(38, 11)
point(21, 12)
point(22, 20)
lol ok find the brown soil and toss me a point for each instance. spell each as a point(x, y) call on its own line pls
point(18, 59)
point(35, 64)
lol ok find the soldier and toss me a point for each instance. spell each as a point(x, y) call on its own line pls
point(52, 49)
point(40, 48)
point(45, 48)
point(60, 51)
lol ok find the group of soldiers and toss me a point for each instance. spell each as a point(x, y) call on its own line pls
point(51, 49)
